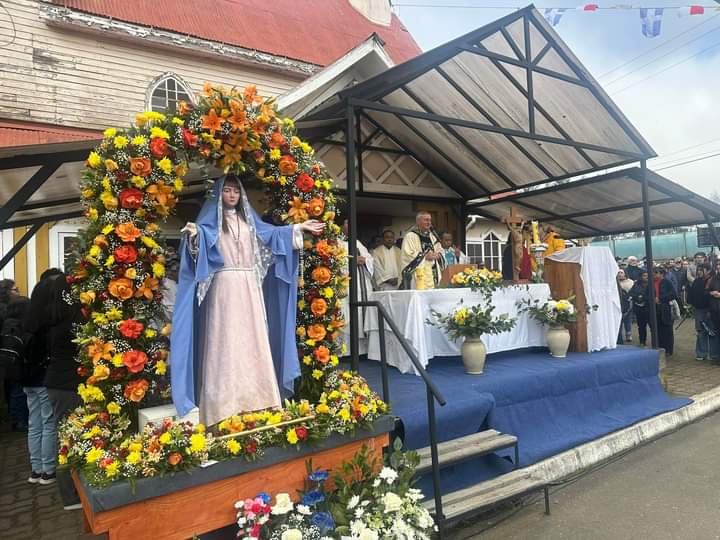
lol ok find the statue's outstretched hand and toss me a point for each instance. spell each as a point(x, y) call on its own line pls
point(312, 226)
point(189, 228)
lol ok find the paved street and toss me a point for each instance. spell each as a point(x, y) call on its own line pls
point(30, 512)
point(666, 490)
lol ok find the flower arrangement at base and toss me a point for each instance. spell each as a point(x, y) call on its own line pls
point(478, 279)
point(553, 312)
point(368, 502)
point(471, 321)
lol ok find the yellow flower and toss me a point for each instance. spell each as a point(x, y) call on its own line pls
point(113, 314)
point(274, 419)
point(165, 165)
point(113, 408)
point(275, 154)
point(99, 318)
point(307, 360)
point(289, 123)
point(344, 414)
point(94, 160)
point(178, 184)
point(310, 342)
point(149, 242)
point(90, 393)
point(101, 372)
point(87, 297)
point(327, 292)
point(317, 374)
point(150, 333)
point(138, 140)
point(322, 408)
point(178, 121)
point(133, 457)
point(93, 214)
point(343, 348)
point(112, 469)
point(62, 460)
point(200, 428)
point(165, 438)
point(117, 360)
point(197, 443)
point(291, 436)
point(93, 455)
point(120, 141)
point(107, 229)
point(158, 269)
point(327, 184)
point(305, 147)
point(109, 132)
point(94, 251)
point(135, 447)
point(87, 193)
point(233, 446)
point(334, 360)
point(159, 132)
point(110, 261)
point(131, 273)
point(160, 367)
point(138, 181)
point(282, 180)
point(108, 200)
point(110, 165)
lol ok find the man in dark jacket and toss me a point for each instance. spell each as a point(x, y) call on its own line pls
point(665, 293)
point(699, 299)
point(640, 293)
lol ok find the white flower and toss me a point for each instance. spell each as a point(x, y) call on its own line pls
point(283, 504)
point(571, 309)
point(376, 482)
point(388, 474)
point(359, 512)
point(551, 305)
point(304, 510)
point(291, 534)
point(353, 502)
point(368, 534)
point(392, 502)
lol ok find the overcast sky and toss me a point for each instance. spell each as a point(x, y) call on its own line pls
point(673, 110)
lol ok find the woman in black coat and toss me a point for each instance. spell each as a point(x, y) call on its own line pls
point(666, 293)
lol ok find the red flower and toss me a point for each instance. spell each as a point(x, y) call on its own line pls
point(131, 329)
point(305, 182)
point(134, 360)
point(135, 390)
point(188, 137)
point(158, 147)
point(131, 197)
point(250, 446)
point(301, 433)
point(125, 254)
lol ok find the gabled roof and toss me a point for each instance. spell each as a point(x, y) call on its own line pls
point(19, 133)
point(605, 205)
point(503, 107)
point(314, 31)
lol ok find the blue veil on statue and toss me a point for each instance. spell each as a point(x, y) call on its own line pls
point(276, 271)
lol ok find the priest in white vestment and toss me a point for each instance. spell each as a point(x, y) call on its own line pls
point(365, 267)
point(421, 255)
point(386, 258)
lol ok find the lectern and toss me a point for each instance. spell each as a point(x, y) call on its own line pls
point(450, 270)
point(564, 280)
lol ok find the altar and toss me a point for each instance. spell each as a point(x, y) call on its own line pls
point(411, 309)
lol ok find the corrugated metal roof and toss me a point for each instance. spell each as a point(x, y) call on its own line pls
point(314, 31)
point(503, 107)
point(606, 205)
point(18, 133)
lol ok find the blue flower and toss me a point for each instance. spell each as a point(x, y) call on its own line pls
point(264, 496)
point(313, 497)
point(323, 520)
point(319, 476)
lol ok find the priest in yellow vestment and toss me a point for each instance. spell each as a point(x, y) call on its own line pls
point(421, 255)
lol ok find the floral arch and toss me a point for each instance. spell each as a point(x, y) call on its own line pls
point(133, 181)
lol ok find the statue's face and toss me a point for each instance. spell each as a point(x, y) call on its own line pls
point(230, 195)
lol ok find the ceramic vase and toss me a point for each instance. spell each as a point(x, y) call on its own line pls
point(558, 341)
point(473, 355)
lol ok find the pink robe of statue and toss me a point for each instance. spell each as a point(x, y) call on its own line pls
point(237, 368)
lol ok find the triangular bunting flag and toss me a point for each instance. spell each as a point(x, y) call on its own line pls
point(588, 7)
point(553, 15)
point(651, 21)
point(690, 10)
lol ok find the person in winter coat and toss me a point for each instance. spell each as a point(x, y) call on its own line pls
point(699, 299)
point(12, 388)
point(665, 292)
point(640, 295)
point(624, 287)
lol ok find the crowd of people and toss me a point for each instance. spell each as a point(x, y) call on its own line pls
point(40, 375)
point(682, 289)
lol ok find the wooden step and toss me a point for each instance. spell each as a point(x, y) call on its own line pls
point(485, 494)
point(455, 450)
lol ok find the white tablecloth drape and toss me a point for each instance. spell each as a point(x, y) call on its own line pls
point(598, 271)
point(411, 309)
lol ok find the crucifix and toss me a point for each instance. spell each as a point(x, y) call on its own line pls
point(514, 223)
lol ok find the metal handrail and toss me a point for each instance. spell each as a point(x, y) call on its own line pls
point(433, 394)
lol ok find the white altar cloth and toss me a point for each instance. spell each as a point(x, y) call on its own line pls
point(411, 309)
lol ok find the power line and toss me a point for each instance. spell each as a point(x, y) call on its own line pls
point(687, 162)
point(657, 47)
point(686, 149)
point(665, 55)
point(671, 66)
point(674, 161)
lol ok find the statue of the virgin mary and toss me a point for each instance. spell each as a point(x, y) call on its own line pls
point(233, 340)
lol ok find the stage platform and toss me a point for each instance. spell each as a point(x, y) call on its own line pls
point(550, 404)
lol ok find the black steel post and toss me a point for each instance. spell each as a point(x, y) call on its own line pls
point(359, 151)
point(649, 256)
point(22, 195)
point(383, 357)
point(19, 245)
point(350, 156)
point(439, 516)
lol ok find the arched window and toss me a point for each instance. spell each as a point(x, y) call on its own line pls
point(488, 251)
point(166, 91)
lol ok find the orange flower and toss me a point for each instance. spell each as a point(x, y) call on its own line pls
point(101, 241)
point(322, 354)
point(128, 232)
point(321, 274)
point(316, 332)
point(134, 360)
point(318, 307)
point(146, 289)
point(324, 249)
point(175, 458)
point(184, 108)
point(316, 206)
point(211, 121)
point(98, 350)
point(140, 166)
point(121, 288)
point(250, 93)
point(135, 390)
point(131, 328)
point(298, 210)
point(287, 165)
point(162, 195)
point(276, 140)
